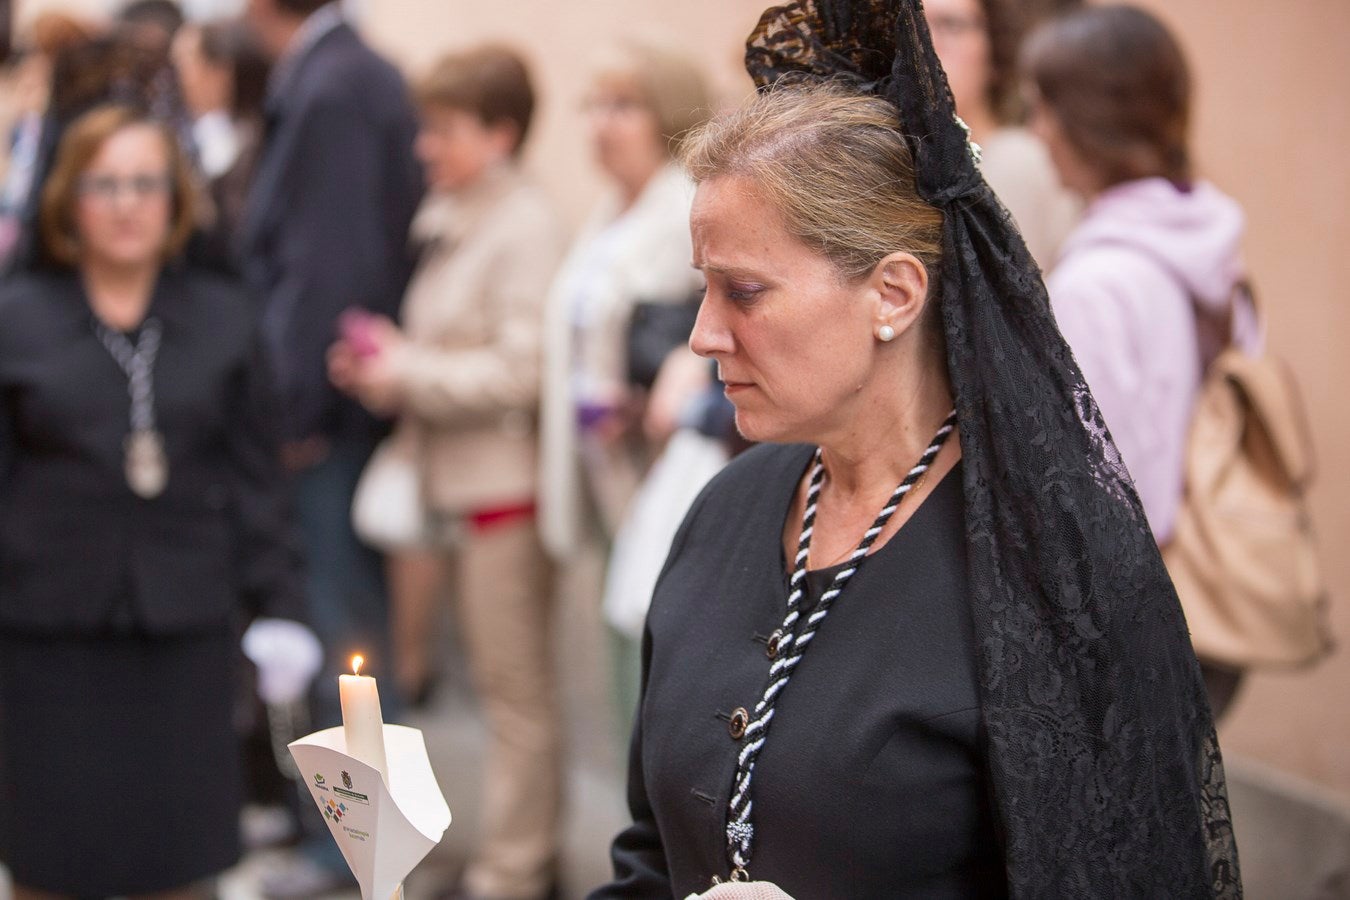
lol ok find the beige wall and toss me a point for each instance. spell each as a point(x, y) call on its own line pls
point(561, 40)
point(1273, 128)
point(25, 10)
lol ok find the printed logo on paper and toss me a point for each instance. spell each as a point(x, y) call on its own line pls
point(347, 780)
point(319, 779)
point(333, 811)
point(353, 796)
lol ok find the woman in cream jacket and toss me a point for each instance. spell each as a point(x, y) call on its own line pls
point(463, 379)
point(634, 249)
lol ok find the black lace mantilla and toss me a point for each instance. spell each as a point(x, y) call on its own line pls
point(1106, 770)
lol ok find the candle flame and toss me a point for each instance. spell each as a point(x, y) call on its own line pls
point(356, 664)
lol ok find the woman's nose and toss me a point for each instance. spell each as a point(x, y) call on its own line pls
point(710, 336)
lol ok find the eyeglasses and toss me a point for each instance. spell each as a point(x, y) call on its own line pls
point(612, 104)
point(946, 27)
point(107, 188)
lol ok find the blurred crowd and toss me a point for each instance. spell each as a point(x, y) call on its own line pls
point(293, 348)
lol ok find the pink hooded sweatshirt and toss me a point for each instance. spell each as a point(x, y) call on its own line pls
point(1123, 292)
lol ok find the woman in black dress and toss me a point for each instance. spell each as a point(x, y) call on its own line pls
point(920, 642)
point(140, 519)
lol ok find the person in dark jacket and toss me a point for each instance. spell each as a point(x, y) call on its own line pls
point(223, 74)
point(333, 196)
point(142, 517)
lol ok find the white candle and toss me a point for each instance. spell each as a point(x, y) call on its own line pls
point(361, 720)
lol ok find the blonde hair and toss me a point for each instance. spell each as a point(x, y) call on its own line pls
point(834, 163)
point(672, 85)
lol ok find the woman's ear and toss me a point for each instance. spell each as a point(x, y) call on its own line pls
point(900, 289)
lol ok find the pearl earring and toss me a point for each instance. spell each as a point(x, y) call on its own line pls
point(886, 333)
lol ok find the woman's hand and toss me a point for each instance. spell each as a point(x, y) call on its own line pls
point(624, 414)
point(368, 371)
point(343, 365)
point(682, 377)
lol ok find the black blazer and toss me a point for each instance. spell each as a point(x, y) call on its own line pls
point(78, 549)
point(326, 224)
point(872, 782)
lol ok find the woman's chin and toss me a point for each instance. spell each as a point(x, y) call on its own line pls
point(135, 256)
point(760, 430)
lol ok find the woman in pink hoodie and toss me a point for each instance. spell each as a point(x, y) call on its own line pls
point(1150, 271)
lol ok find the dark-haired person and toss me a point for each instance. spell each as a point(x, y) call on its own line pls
point(28, 83)
point(325, 228)
point(142, 514)
point(978, 43)
point(223, 73)
point(6, 36)
point(152, 22)
point(463, 378)
point(149, 24)
point(1144, 286)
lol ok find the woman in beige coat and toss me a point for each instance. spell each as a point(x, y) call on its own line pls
point(463, 378)
point(634, 250)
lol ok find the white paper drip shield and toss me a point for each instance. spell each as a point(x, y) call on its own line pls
point(383, 830)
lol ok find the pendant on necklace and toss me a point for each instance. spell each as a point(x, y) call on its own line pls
point(147, 468)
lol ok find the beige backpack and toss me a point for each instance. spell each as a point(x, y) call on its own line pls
point(1243, 555)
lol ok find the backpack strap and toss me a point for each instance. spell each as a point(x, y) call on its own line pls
point(1266, 387)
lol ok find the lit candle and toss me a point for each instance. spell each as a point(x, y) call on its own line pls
point(361, 720)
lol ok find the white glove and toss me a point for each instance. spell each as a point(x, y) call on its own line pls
point(743, 890)
point(287, 655)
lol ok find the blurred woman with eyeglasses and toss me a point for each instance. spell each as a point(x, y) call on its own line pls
point(141, 521)
point(629, 266)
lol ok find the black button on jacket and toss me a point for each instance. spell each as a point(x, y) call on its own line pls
point(873, 780)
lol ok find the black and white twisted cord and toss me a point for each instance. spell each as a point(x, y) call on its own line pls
point(138, 362)
point(740, 831)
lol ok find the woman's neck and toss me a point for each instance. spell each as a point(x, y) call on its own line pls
point(890, 421)
point(632, 184)
point(862, 469)
point(119, 295)
point(869, 461)
point(485, 183)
